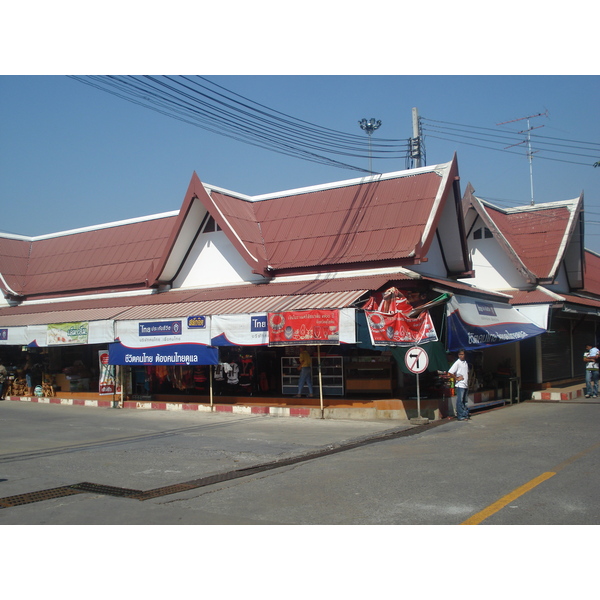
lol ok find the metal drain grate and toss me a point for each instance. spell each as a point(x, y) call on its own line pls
point(107, 490)
point(32, 497)
point(95, 488)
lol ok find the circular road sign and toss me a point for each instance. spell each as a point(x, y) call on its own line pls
point(416, 359)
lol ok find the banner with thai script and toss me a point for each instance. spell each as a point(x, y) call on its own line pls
point(67, 333)
point(106, 378)
point(396, 329)
point(474, 323)
point(239, 330)
point(311, 327)
point(162, 342)
point(13, 336)
point(163, 355)
point(152, 332)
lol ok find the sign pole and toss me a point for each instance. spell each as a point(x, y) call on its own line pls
point(417, 361)
point(418, 399)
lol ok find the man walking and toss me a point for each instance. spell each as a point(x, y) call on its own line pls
point(591, 371)
point(460, 372)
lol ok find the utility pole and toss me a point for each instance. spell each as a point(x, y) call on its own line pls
point(415, 140)
point(528, 142)
point(369, 126)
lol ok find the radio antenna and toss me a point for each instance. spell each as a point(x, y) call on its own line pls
point(527, 141)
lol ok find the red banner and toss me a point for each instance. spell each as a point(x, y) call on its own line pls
point(398, 329)
point(311, 327)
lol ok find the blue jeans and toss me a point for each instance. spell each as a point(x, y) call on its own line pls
point(305, 378)
point(462, 412)
point(591, 382)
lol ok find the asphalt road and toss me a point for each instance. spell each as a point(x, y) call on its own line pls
point(527, 464)
point(453, 473)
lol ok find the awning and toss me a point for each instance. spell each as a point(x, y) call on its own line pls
point(474, 323)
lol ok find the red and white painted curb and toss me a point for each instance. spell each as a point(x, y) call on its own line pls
point(558, 396)
point(274, 411)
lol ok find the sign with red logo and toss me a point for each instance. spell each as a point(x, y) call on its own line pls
point(311, 327)
point(397, 329)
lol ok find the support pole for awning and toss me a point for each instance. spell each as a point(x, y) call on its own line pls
point(320, 378)
point(210, 384)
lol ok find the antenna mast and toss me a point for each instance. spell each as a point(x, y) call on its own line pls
point(528, 142)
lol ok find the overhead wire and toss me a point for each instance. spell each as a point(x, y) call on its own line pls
point(457, 133)
point(192, 101)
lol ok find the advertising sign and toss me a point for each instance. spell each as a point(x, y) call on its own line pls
point(162, 343)
point(106, 379)
point(239, 330)
point(474, 323)
point(396, 329)
point(313, 327)
point(67, 333)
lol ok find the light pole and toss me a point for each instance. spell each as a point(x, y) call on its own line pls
point(369, 126)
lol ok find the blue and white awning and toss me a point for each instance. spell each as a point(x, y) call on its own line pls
point(474, 323)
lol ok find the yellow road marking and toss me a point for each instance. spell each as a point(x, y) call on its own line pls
point(482, 515)
point(500, 504)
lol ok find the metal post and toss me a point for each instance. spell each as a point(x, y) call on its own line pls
point(320, 378)
point(210, 384)
point(369, 127)
point(418, 399)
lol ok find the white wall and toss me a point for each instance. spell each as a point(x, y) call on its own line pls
point(435, 263)
point(214, 261)
point(493, 269)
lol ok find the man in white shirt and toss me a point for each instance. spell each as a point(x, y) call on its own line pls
point(591, 371)
point(460, 372)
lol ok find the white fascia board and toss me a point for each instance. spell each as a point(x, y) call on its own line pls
point(330, 186)
point(90, 228)
point(62, 299)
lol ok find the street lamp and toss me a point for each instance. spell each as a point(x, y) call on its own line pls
point(369, 126)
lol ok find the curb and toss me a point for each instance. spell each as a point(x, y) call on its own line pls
point(273, 411)
point(558, 396)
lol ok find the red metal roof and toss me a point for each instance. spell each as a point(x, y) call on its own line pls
point(536, 235)
point(334, 293)
point(362, 222)
point(536, 296)
point(119, 256)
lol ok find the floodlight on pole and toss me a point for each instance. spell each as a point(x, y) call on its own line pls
point(369, 126)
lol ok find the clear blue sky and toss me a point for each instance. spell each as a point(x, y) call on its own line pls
point(73, 156)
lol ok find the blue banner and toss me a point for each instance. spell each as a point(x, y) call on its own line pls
point(474, 323)
point(165, 355)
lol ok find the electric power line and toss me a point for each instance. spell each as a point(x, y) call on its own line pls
point(190, 100)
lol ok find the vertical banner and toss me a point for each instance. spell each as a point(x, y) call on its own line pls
point(313, 327)
point(106, 379)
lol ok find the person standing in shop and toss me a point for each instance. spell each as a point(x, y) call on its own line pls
point(3, 381)
point(592, 374)
point(460, 373)
point(305, 368)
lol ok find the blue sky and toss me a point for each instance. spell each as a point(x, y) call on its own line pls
point(73, 156)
